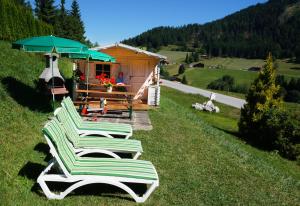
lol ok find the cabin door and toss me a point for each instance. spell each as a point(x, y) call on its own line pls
point(138, 77)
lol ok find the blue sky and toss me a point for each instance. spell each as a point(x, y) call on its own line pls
point(110, 21)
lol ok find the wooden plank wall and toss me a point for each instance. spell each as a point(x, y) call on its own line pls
point(137, 68)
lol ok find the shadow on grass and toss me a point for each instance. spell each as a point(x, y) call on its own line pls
point(26, 95)
point(295, 68)
point(233, 133)
point(32, 170)
point(236, 134)
point(43, 148)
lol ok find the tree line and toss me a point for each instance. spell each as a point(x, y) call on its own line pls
point(251, 33)
point(17, 21)
point(44, 19)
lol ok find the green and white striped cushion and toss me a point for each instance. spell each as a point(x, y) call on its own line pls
point(67, 124)
point(85, 125)
point(93, 142)
point(110, 144)
point(103, 126)
point(129, 168)
point(67, 102)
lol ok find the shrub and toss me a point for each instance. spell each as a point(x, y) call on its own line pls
point(290, 91)
point(243, 88)
point(181, 69)
point(292, 96)
point(164, 72)
point(184, 80)
point(278, 131)
point(262, 120)
point(225, 83)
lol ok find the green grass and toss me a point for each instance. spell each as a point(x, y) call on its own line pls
point(225, 120)
point(174, 56)
point(202, 77)
point(235, 67)
point(285, 67)
point(197, 163)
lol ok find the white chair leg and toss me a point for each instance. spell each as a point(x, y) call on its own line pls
point(137, 155)
point(43, 178)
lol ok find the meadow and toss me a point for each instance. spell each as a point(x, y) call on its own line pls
point(235, 67)
point(199, 158)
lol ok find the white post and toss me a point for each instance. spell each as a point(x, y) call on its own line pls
point(53, 97)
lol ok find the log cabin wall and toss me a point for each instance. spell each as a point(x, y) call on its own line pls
point(138, 69)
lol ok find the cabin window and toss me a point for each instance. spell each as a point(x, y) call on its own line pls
point(103, 69)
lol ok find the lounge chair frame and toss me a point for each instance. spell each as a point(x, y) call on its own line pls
point(81, 180)
point(83, 132)
point(85, 151)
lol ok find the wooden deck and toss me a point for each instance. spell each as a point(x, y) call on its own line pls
point(118, 106)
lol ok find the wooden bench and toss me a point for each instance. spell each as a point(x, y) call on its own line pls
point(61, 90)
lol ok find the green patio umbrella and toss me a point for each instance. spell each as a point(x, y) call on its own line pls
point(49, 44)
point(91, 55)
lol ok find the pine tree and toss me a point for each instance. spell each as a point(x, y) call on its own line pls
point(62, 25)
point(262, 97)
point(297, 53)
point(77, 23)
point(181, 69)
point(191, 58)
point(45, 11)
point(184, 80)
point(187, 58)
point(17, 21)
point(196, 56)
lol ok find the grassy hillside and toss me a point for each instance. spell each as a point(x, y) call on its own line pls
point(202, 77)
point(197, 163)
point(235, 67)
point(285, 66)
point(174, 56)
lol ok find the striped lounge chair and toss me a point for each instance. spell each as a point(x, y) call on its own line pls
point(94, 144)
point(90, 128)
point(80, 171)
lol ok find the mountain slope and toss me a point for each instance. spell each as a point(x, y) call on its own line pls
point(252, 32)
point(215, 167)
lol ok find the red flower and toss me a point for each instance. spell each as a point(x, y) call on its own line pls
point(112, 80)
point(106, 81)
point(82, 77)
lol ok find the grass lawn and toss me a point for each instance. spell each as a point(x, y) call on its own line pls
point(197, 163)
point(235, 67)
point(285, 67)
point(174, 56)
point(202, 77)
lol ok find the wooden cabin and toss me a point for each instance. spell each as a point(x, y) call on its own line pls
point(140, 70)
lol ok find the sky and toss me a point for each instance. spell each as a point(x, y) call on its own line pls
point(111, 21)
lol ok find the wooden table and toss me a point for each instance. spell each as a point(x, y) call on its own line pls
point(128, 96)
point(101, 85)
point(103, 92)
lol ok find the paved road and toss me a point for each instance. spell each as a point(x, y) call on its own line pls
point(232, 101)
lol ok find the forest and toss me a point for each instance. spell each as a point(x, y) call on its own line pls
point(20, 20)
point(250, 33)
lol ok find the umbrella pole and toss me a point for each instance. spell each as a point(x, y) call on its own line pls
point(87, 78)
point(53, 97)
